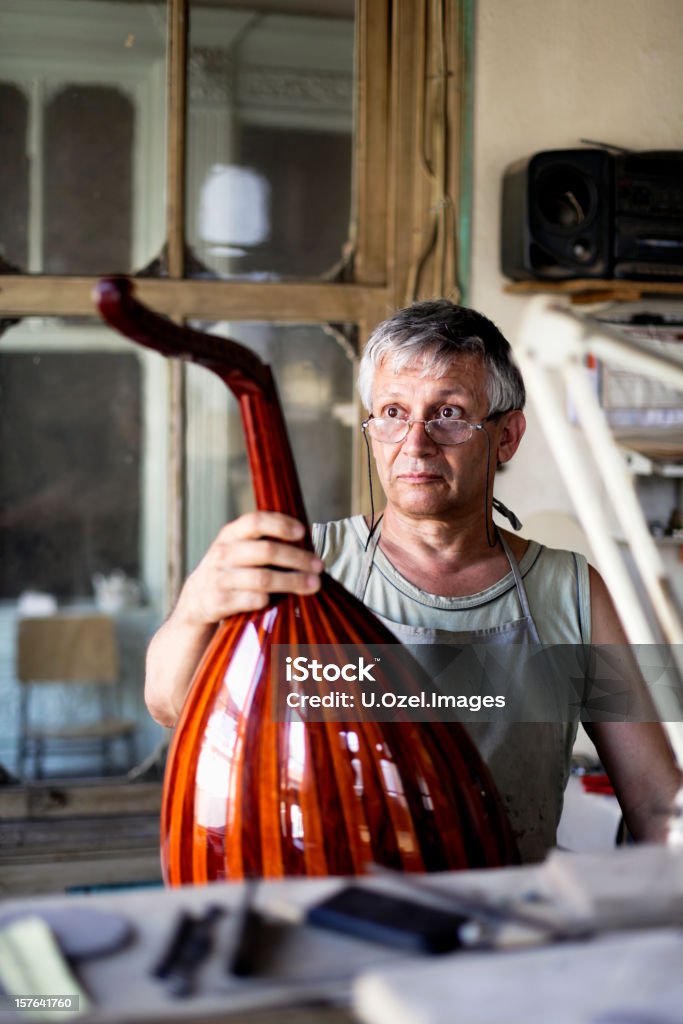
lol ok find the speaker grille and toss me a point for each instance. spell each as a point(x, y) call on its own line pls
point(557, 215)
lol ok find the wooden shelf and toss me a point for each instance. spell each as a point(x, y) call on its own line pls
point(586, 290)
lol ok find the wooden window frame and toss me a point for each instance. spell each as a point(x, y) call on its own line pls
point(412, 104)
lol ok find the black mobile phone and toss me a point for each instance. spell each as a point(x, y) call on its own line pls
point(390, 920)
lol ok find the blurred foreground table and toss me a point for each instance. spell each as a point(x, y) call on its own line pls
point(306, 974)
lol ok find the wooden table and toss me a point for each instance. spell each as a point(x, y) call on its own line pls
point(306, 974)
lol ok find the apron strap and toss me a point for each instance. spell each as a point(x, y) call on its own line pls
point(366, 562)
point(521, 589)
point(369, 556)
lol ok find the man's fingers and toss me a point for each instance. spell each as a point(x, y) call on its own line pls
point(254, 525)
point(263, 580)
point(271, 552)
point(246, 601)
point(252, 558)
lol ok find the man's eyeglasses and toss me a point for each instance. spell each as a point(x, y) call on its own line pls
point(393, 429)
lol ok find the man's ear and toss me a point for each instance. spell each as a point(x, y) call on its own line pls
point(511, 432)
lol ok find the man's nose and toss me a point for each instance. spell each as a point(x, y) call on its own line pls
point(418, 440)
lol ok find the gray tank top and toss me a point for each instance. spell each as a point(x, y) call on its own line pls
point(546, 598)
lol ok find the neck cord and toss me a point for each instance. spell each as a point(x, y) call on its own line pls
point(373, 524)
point(494, 542)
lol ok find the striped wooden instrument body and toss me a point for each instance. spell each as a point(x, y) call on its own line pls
point(252, 791)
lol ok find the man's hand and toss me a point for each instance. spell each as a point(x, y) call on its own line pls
point(251, 558)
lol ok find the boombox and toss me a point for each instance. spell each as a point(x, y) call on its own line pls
point(571, 213)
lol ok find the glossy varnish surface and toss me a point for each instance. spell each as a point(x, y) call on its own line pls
point(252, 788)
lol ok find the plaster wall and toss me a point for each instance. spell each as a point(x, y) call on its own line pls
point(549, 73)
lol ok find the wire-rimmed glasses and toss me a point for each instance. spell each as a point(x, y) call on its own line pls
point(444, 430)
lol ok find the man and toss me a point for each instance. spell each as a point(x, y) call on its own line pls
point(445, 401)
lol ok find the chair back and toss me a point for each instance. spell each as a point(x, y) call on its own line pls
point(67, 649)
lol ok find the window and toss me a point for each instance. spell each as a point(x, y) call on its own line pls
point(70, 453)
point(285, 171)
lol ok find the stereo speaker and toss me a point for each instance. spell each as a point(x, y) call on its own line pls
point(648, 215)
point(557, 215)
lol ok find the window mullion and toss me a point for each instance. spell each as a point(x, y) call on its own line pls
point(176, 135)
point(274, 301)
point(175, 235)
point(428, 107)
point(36, 149)
point(371, 141)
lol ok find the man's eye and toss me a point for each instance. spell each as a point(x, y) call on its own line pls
point(393, 412)
point(447, 412)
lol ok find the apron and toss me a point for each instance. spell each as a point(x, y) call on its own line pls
point(519, 631)
point(529, 761)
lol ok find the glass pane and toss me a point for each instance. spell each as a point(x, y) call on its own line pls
point(82, 515)
point(269, 138)
point(82, 116)
point(13, 177)
point(314, 371)
point(87, 203)
point(79, 434)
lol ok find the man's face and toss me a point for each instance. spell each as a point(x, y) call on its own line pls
point(420, 477)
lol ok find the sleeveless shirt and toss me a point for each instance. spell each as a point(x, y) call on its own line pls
point(529, 761)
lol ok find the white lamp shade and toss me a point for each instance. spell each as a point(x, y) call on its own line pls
point(233, 207)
